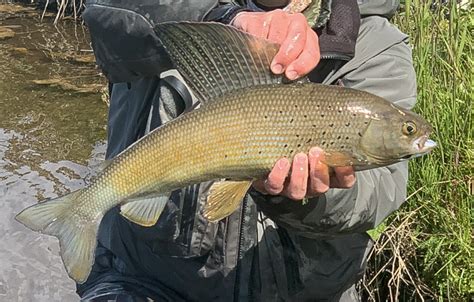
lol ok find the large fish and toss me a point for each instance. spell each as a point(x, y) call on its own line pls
point(248, 120)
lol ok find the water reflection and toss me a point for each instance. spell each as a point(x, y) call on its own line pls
point(51, 142)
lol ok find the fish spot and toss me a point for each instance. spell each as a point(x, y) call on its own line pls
point(281, 111)
point(339, 110)
point(225, 155)
point(297, 135)
point(309, 140)
point(347, 137)
point(322, 115)
point(366, 122)
point(324, 132)
point(339, 137)
point(314, 125)
point(348, 124)
point(323, 143)
point(260, 152)
point(296, 106)
point(342, 147)
point(291, 121)
point(285, 146)
point(331, 125)
point(291, 151)
point(265, 116)
point(332, 143)
point(299, 145)
point(360, 134)
point(305, 116)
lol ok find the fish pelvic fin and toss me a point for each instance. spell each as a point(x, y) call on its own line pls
point(224, 198)
point(215, 59)
point(77, 236)
point(144, 211)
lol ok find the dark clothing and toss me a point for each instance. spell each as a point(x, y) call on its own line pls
point(272, 248)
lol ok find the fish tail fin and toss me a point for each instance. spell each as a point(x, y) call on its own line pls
point(77, 237)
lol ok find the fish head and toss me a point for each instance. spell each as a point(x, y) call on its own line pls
point(395, 134)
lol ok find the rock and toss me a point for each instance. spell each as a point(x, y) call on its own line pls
point(19, 50)
point(6, 33)
point(67, 86)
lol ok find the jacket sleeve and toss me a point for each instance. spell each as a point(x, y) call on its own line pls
point(377, 192)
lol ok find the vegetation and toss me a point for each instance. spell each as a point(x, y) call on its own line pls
point(425, 250)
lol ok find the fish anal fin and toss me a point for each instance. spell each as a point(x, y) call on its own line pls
point(144, 211)
point(224, 198)
point(77, 236)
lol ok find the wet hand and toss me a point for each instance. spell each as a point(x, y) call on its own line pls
point(309, 177)
point(299, 50)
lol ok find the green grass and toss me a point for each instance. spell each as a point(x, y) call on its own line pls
point(426, 249)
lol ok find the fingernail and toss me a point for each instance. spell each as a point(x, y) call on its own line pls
point(315, 152)
point(283, 164)
point(300, 158)
point(277, 68)
point(291, 74)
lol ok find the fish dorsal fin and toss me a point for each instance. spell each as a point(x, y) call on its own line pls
point(215, 59)
point(224, 198)
point(144, 211)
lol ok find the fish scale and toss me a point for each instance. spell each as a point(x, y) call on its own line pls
point(240, 137)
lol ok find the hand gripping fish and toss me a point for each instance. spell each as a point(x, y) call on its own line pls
point(249, 118)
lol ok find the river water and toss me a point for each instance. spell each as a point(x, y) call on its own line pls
point(51, 142)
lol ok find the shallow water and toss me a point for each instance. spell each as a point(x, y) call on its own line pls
point(51, 142)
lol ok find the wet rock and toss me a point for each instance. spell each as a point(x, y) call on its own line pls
point(14, 9)
point(6, 33)
point(67, 86)
point(88, 58)
point(19, 50)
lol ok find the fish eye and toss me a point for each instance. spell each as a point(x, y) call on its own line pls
point(409, 128)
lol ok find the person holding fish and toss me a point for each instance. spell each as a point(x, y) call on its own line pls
point(266, 191)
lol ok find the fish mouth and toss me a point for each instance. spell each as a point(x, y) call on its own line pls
point(423, 145)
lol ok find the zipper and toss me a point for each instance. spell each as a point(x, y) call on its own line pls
point(335, 56)
point(240, 251)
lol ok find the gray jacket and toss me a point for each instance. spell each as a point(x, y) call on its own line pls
point(272, 248)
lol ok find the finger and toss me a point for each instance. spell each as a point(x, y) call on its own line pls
point(307, 60)
point(296, 188)
point(293, 44)
point(279, 27)
point(344, 176)
point(240, 20)
point(259, 185)
point(261, 25)
point(319, 173)
point(275, 181)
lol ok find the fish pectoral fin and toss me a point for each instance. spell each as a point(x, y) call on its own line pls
point(144, 211)
point(77, 235)
point(224, 198)
point(339, 159)
point(105, 164)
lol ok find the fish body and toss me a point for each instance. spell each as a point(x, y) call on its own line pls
point(248, 120)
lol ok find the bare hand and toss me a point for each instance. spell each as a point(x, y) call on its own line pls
point(309, 177)
point(299, 51)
